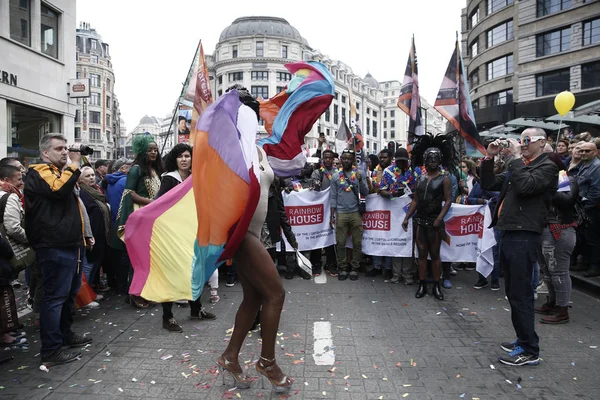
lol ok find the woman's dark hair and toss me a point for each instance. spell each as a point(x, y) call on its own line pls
point(374, 162)
point(563, 141)
point(246, 98)
point(556, 159)
point(171, 158)
point(141, 160)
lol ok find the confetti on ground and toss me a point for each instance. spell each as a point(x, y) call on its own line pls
point(398, 364)
point(298, 362)
point(407, 385)
point(509, 381)
point(120, 390)
point(332, 369)
point(44, 368)
point(405, 395)
point(492, 366)
point(380, 398)
point(166, 357)
point(324, 393)
point(375, 366)
point(462, 395)
point(458, 375)
point(575, 378)
point(593, 347)
point(391, 352)
point(364, 376)
point(346, 377)
point(152, 382)
point(519, 386)
point(289, 355)
point(573, 364)
point(384, 378)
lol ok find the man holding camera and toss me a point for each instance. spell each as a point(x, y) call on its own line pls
point(526, 190)
point(54, 227)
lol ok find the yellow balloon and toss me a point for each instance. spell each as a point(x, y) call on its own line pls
point(564, 102)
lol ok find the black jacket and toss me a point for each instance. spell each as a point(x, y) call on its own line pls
point(562, 210)
point(52, 214)
point(167, 183)
point(6, 269)
point(277, 218)
point(526, 193)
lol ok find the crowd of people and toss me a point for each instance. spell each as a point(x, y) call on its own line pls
point(63, 220)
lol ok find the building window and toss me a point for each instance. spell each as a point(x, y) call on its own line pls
point(385, 134)
point(500, 67)
point(368, 126)
point(95, 135)
point(553, 42)
point(77, 115)
point(336, 95)
point(357, 106)
point(95, 117)
point(284, 53)
point(220, 79)
point(474, 78)
point(49, 31)
point(236, 76)
point(108, 84)
point(385, 114)
point(496, 5)
point(591, 32)
point(335, 114)
point(374, 114)
point(260, 49)
point(473, 48)
point(95, 99)
point(500, 34)
point(499, 98)
point(474, 18)
point(552, 82)
point(328, 132)
point(234, 51)
point(344, 113)
point(77, 133)
point(260, 91)
point(20, 21)
point(384, 124)
point(78, 75)
point(284, 76)
point(545, 7)
point(108, 104)
point(94, 59)
point(107, 119)
point(95, 80)
point(219, 92)
point(94, 44)
point(374, 128)
point(343, 99)
point(475, 104)
point(327, 115)
point(260, 75)
point(392, 134)
point(393, 123)
point(590, 75)
point(392, 113)
point(280, 89)
point(368, 111)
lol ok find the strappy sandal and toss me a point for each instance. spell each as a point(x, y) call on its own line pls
point(241, 381)
point(281, 386)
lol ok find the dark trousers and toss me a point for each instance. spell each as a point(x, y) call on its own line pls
point(592, 238)
point(195, 308)
point(519, 252)
point(122, 270)
point(61, 273)
point(330, 260)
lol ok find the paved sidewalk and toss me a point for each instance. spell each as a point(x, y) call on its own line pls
point(384, 344)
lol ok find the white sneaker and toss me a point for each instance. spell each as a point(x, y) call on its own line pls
point(93, 305)
point(181, 302)
point(99, 297)
point(542, 288)
point(535, 295)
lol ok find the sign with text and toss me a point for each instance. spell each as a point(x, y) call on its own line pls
point(79, 88)
point(382, 223)
point(308, 213)
point(464, 228)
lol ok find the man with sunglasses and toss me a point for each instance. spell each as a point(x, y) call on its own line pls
point(526, 190)
point(345, 217)
point(588, 179)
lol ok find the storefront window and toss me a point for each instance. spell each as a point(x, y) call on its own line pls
point(49, 32)
point(26, 126)
point(20, 19)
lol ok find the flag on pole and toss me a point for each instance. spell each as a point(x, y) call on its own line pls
point(409, 100)
point(199, 91)
point(342, 137)
point(454, 103)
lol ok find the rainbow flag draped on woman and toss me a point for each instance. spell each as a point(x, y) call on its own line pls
point(177, 242)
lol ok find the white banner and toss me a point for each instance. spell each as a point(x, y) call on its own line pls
point(308, 213)
point(382, 223)
point(468, 237)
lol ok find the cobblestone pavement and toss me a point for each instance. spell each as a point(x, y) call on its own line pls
point(384, 344)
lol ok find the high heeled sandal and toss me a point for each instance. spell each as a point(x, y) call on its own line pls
point(282, 386)
point(240, 381)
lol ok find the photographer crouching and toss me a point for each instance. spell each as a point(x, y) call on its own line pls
point(526, 190)
point(53, 224)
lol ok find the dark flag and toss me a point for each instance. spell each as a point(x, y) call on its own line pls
point(409, 100)
point(454, 102)
point(342, 137)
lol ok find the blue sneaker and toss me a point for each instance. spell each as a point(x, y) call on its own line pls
point(519, 357)
point(508, 346)
point(447, 284)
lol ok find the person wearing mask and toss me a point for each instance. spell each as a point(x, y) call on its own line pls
point(54, 228)
point(345, 217)
point(526, 192)
point(588, 179)
point(321, 178)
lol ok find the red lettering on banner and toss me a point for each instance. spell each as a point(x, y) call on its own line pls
point(305, 215)
point(377, 220)
point(466, 225)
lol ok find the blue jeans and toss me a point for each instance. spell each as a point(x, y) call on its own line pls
point(378, 261)
point(519, 251)
point(61, 273)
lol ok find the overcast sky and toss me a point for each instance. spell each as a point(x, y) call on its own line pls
point(152, 42)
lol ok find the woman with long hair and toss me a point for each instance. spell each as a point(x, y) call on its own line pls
point(142, 186)
point(178, 164)
point(431, 202)
point(261, 286)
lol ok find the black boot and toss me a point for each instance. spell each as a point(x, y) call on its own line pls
point(422, 290)
point(437, 292)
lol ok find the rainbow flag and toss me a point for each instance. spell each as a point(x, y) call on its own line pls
point(291, 114)
point(177, 242)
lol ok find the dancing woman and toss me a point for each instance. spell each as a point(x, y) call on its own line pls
point(261, 286)
point(431, 202)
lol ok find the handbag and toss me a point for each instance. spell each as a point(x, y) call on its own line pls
point(24, 255)
point(9, 320)
point(85, 295)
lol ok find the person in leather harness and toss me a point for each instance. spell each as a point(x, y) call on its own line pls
point(431, 202)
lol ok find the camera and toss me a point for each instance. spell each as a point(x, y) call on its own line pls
point(504, 143)
point(83, 149)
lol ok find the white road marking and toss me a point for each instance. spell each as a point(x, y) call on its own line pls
point(323, 353)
